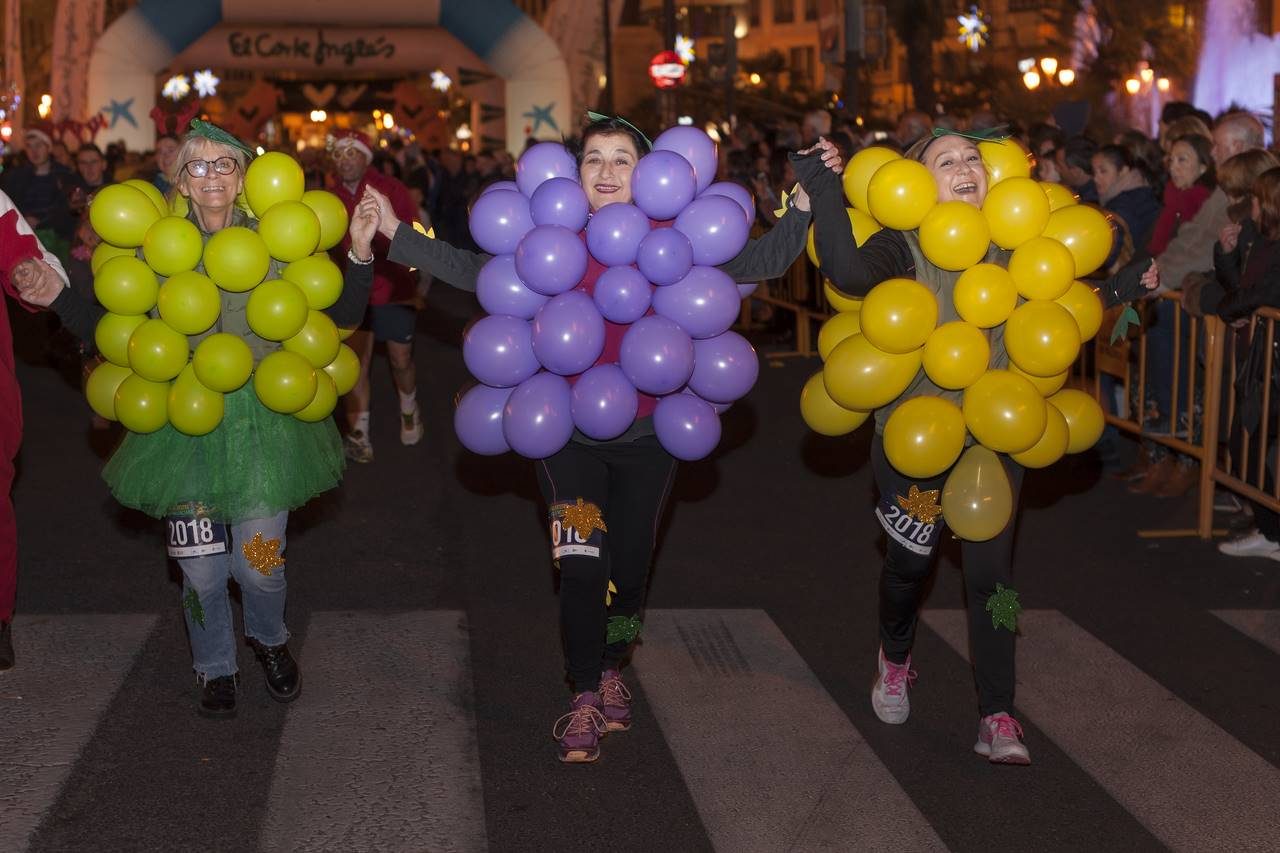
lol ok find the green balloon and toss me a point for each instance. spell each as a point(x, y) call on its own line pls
point(344, 369)
point(276, 310)
point(142, 405)
point(189, 302)
point(236, 259)
point(323, 403)
point(285, 382)
point(150, 191)
point(317, 341)
point(172, 245)
point(222, 362)
point(319, 278)
point(272, 178)
point(193, 408)
point(291, 231)
point(105, 252)
point(111, 336)
point(332, 214)
point(126, 285)
point(100, 389)
point(157, 351)
point(121, 215)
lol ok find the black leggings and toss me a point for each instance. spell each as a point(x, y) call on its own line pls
point(984, 563)
point(628, 483)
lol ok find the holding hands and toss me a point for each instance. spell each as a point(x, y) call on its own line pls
point(36, 282)
point(364, 225)
point(830, 158)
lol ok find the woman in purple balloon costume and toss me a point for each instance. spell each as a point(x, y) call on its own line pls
point(625, 260)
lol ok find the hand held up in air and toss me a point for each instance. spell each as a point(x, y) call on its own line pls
point(364, 225)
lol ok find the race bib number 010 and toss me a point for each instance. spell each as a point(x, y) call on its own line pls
point(575, 540)
point(909, 532)
point(190, 533)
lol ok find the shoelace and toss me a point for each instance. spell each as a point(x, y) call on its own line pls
point(1007, 726)
point(898, 677)
point(579, 721)
point(614, 693)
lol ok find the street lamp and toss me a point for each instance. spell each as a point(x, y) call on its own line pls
point(1049, 72)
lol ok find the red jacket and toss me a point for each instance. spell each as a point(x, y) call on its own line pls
point(1179, 206)
point(392, 282)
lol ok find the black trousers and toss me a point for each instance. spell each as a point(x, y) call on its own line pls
point(628, 483)
point(985, 564)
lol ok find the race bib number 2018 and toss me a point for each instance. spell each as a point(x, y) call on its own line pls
point(905, 529)
point(190, 533)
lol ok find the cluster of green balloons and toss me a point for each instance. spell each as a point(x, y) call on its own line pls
point(145, 275)
point(874, 348)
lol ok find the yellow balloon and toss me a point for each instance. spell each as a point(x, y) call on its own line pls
point(236, 259)
point(862, 225)
point(1042, 338)
point(1086, 306)
point(172, 245)
point(323, 403)
point(142, 405)
point(1042, 268)
point(1016, 210)
point(857, 175)
point(179, 206)
point(105, 252)
point(100, 389)
point(345, 332)
point(977, 500)
point(924, 436)
point(274, 177)
point(954, 235)
point(111, 336)
point(898, 315)
point(126, 285)
point(285, 382)
point(984, 295)
point(121, 215)
point(1052, 444)
point(1046, 385)
point(839, 301)
point(956, 355)
point(1004, 412)
point(317, 341)
point(824, 415)
point(836, 330)
point(150, 191)
point(331, 213)
point(1084, 418)
point(859, 376)
point(222, 362)
point(901, 194)
point(344, 370)
point(157, 351)
point(319, 278)
point(291, 231)
point(193, 408)
point(1086, 232)
point(276, 310)
point(1004, 159)
point(1058, 195)
point(189, 302)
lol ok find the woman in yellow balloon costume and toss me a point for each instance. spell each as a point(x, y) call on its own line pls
point(223, 360)
point(961, 316)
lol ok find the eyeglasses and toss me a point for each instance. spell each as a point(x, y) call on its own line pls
point(347, 152)
point(200, 168)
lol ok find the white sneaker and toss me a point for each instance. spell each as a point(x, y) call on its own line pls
point(889, 697)
point(1251, 544)
point(410, 427)
point(1000, 740)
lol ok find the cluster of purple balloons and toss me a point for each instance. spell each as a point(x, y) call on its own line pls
point(536, 352)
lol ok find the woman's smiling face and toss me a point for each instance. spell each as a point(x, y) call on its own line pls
point(957, 167)
point(607, 162)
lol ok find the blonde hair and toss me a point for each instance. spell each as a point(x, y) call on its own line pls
point(191, 143)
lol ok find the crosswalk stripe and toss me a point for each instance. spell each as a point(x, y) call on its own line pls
point(769, 758)
point(380, 753)
point(1188, 781)
point(49, 708)
point(1261, 625)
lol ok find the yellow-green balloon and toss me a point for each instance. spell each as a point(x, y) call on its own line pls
point(317, 341)
point(111, 336)
point(1017, 210)
point(172, 245)
point(193, 408)
point(222, 362)
point(323, 403)
point(1086, 232)
point(150, 191)
point(157, 351)
point(977, 500)
point(142, 405)
point(272, 178)
point(344, 369)
point(858, 376)
point(332, 214)
point(985, 295)
point(126, 285)
point(236, 259)
point(285, 382)
point(901, 193)
point(1042, 268)
point(319, 278)
point(277, 310)
point(189, 302)
point(180, 206)
point(121, 215)
point(291, 231)
point(924, 436)
point(824, 415)
point(105, 252)
point(100, 389)
point(862, 166)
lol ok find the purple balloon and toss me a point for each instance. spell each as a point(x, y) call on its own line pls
point(614, 233)
point(551, 259)
point(662, 183)
point(719, 408)
point(656, 355)
point(498, 220)
point(693, 145)
point(604, 402)
point(542, 162)
point(501, 185)
point(724, 368)
point(622, 294)
point(499, 351)
point(568, 333)
point(715, 226)
point(745, 290)
point(705, 302)
point(559, 201)
point(738, 193)
point(478, 420)
point(538, 419)
point(665, 256)
point(500, 290)
point(687, 428)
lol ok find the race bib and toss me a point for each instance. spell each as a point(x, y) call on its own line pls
point(577, 530)
point(191, 533)
point(914, 521)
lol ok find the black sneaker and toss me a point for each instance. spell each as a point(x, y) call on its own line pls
point(284, 680)
point(218, 697)
point(6, 646)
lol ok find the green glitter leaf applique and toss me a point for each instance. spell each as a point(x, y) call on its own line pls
point(1004, 608)
point(191, 602)
point(623, 629)
point(1127, 319)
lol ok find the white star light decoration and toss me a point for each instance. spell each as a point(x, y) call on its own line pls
point(440, 81)
point(973, 32)
point(684, 49)
point(176, 87)
point(206, 84)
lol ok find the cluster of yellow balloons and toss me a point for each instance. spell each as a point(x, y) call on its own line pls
point(145, 276)
point(874, 348)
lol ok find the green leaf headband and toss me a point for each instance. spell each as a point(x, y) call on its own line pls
point(999, 133)
point(213, 133)
point(594, 116)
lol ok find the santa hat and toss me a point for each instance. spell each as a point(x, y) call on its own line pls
point(352, 139)
point(42, 129)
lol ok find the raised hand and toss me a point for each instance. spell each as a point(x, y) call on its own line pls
point(1229, 237)
point(830, 154)
point(36, 282)
point(1151, 278)
point(388, 222)
point(364, 224)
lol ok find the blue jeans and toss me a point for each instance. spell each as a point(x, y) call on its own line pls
point(213, 643)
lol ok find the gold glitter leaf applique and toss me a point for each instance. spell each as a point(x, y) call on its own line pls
point(608, 594)
point(584, 518)
point(922, 506)
point(262, 554)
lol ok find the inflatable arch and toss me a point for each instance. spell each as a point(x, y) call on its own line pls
point(126, 59)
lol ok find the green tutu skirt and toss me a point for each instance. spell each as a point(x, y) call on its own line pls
point(253, 465)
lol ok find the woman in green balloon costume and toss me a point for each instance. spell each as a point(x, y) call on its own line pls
point(224, 361)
